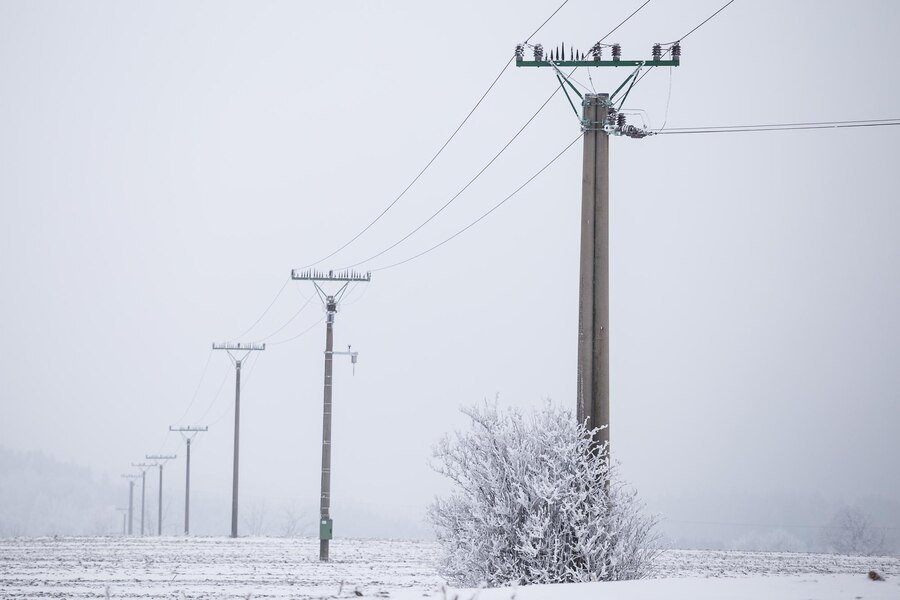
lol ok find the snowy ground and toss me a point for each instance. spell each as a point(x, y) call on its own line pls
point(289, 568)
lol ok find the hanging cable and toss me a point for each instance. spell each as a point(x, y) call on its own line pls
point(436, 154)
point(780, 127)
point(483, 216)
point(682, 38)
point(463, 189)
point(197, 389)
point(288, 322)
point(301, 334)
point(265, 312)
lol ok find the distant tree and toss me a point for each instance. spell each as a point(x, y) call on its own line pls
point(295, 521)
point(253, 517)
point(850, 532)
point(536, 502)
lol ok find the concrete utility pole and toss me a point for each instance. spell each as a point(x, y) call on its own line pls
point(188, 434)
point(330, 301)
point(246, 349)
point(143, 467)
point(162, 458)
point(130, 477)
point(124, 512)
point(593, 297)
point(599, 120)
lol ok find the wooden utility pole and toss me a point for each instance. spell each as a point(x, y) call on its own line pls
point(246, 349)
point(344, 278)
point(593, 298)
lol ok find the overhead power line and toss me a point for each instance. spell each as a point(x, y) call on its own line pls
point(462, 189)
point(682, 38)
point(483, 216)
point(780, 127)
point(265, 312)
point(436, 154)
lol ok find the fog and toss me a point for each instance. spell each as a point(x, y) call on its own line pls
point(164, 165)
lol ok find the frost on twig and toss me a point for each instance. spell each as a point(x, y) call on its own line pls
point(536, 502)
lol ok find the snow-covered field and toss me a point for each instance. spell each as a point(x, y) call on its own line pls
point(289, 568)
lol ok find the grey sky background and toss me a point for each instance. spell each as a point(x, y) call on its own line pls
point(164, 165)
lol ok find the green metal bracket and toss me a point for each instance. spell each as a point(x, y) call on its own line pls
point(599, 63)
point(568, 97)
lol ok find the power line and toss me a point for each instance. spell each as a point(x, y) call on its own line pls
point(704, 22)
point(216, 397)
point(463, 189)
point(625, 20)
point(483, 216)
point(197, 389)
point(777, 127)
point(302, 333)
point(265, 312)
point(547, 20)
point(436, 154)
point(783, 124)
point(288, 322)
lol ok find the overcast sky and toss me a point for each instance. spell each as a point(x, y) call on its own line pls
point(163, 166)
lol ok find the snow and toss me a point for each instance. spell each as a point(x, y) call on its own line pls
point(783, 587)
point(175, 567)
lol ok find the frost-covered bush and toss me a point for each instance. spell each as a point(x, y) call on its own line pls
point(535, 503)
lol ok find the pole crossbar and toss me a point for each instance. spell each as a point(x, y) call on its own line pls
point(598, 63)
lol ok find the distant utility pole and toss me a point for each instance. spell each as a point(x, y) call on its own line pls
point(188, 434)
point(124, 512)
point(331, 301)
point(162, 458)
point(143, 467)
point(246, 349)
point(130, 477)
point(599, 120)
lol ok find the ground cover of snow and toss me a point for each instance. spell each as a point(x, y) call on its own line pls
point(173, 567)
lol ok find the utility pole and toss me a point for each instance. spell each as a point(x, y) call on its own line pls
point(143, 467)
point(162, 458)
point(246, 349)
point(331, 301)
point(600, 119)
point(130, 477)
point(124, 512)
point(188, 434)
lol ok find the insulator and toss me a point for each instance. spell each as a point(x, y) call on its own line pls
point(620, 120)
point(538, 52)
point(611, 117)
point(597, 51)
point(616, 51)
point(657, 52)
point(571, 54)
point(562, 55)
point(520, 52)
point(676, 51)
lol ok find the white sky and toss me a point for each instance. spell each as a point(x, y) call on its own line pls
point(163, 165)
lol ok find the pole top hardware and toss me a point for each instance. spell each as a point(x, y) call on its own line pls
point(594, 57)
point(237, 346)
point(160, 457)
point(316, 275)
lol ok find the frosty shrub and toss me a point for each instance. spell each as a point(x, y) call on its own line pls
point(534, 504)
